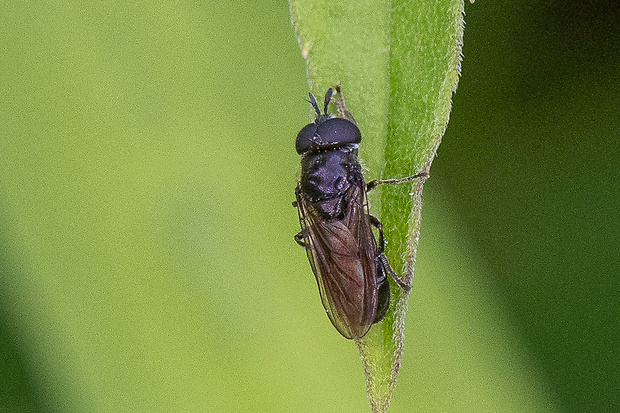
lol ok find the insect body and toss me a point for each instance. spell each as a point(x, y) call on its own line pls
point(336, 228)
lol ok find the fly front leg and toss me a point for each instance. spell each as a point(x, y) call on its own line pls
point(342, 109)
point(381, 255)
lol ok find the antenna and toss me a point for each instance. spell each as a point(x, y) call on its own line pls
point(328, 98)
point(314, 104)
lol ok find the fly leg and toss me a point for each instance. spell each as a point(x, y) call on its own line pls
point(383, 264)
point(383, 261)
point(383, 292)
point(299, 238)
point(370, 185)
point(342, 109)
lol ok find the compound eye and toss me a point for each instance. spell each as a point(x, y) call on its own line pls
point(336, 131)
point(305, 138)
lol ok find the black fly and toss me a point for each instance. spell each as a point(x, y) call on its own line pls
point(336, 227)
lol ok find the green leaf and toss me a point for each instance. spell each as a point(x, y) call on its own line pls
point(398, 63)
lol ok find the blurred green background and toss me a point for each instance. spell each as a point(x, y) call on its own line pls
point(147, 260)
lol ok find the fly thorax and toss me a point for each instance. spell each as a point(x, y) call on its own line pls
point(325, 174)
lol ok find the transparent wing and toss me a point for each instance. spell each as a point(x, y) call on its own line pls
point(342, 257)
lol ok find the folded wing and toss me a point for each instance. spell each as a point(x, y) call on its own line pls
point(342, 257)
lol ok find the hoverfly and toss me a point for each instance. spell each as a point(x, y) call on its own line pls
point(336, 227)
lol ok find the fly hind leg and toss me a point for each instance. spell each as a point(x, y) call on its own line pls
point(383, 292)
point(383, 261)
